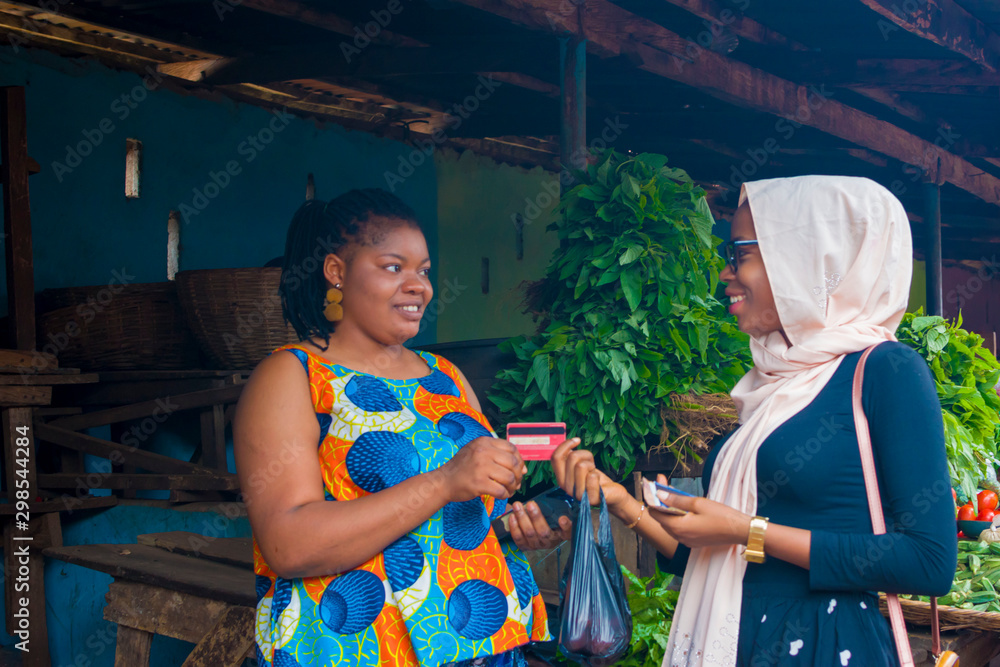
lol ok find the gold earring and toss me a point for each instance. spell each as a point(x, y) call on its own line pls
point(332, 309)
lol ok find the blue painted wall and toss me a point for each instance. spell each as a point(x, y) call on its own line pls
point(79, 115)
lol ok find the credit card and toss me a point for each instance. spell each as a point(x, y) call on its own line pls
point(536, 441)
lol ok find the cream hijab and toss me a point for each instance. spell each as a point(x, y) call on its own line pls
point(838, 255)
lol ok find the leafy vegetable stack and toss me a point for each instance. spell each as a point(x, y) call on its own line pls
point(630, 313)
point(965, 374)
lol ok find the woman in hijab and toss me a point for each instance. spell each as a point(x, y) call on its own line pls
point(818, 270)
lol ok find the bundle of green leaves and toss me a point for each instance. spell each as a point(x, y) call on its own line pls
point(630, 312)
point(965, 373)
point(652, 606)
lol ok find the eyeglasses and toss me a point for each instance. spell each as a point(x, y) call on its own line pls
point(730, 253)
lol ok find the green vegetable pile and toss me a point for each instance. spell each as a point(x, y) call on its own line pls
point(629, 312)
point(652, 608)
point(965, 373)
point(977, 579)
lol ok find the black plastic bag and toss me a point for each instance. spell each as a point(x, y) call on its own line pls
point(595, 623)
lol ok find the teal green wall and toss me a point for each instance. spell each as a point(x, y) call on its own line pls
point(84, 229)
point(476, 199)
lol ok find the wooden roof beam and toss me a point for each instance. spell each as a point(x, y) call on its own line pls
point(891, 73)
point(613, 30)
point(375, 61)
point(303, 13)
point(943, 22)
point(722, 16)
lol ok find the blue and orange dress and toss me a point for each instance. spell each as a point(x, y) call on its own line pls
point(447, 591)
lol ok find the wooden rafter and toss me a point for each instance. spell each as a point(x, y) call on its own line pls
point(720, 15)
point(351, 107)
point(945, 23)
point(608, 29)
point(302, 12)
point(892, 73)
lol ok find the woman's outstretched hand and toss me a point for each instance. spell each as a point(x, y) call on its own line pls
point(575, 471)
point(529, 529)
point(707, 522)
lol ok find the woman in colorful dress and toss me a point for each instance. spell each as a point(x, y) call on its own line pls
point(369, 472)
point(818, 271)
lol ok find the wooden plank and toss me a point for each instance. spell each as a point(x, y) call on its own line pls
point(646, 556)
point(312, 61)
point(892, 72)
point(932, 248)
point(726, 17)
point(304, 13)
point(945, 23)
point(43, 530)
point(68, 504)
point(17, 217)
point(117, 453)
point(213, 438)
point(22, 359)
point(160, 407)
point(613, 31)
point(22, 395)
point(573, 107)
point(225, 644)
point(145, 376)
point(161, 611)
point(129, 393)
point(149, 565)
point(18, 457)
point(49, 370)
point(236, 551)
point(140, 481)
point(133, 647)
point(48, 379)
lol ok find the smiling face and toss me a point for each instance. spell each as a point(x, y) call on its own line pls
point(385, 283)
point(749, 290)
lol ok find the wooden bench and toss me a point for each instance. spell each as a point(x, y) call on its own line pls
point(181, 585)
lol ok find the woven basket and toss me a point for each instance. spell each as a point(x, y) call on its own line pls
point(123, 327)
point(235, 314)
point(952, 618)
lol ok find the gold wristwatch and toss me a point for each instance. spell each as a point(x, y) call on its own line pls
point(754, 553)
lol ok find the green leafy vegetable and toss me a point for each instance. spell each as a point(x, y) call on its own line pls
point(630, 312)
point(965, 373)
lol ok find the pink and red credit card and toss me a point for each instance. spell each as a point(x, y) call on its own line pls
point(536, 441)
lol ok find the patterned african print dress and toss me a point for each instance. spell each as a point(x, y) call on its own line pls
point(447, 591)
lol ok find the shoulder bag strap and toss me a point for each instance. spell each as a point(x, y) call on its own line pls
point(875, 508)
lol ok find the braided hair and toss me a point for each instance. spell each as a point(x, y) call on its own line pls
point(320, 228)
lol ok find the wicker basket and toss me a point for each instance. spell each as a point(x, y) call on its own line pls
point(235, 314)
point(952, 618)
point(125, 327)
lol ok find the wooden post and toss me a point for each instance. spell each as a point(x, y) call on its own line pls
point(573, 87)
point(646, 556)
point(932, 247)
point(17, 218)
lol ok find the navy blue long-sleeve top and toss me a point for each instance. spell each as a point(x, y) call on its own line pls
point(809, 476)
